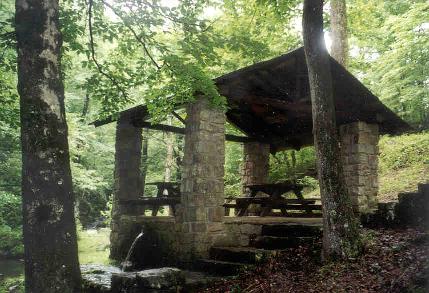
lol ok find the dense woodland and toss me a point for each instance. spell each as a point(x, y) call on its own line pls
point(118, 54)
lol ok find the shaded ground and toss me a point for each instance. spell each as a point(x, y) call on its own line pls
point(394, 261)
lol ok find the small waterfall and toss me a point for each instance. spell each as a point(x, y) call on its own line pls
point(127, 263)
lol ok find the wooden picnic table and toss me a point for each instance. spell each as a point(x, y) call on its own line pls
point(168, 194)
point(172, 188)
point(274, 199)
point(154, 203)
point(275, 190)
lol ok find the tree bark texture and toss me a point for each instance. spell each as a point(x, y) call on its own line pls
point(50, 242)
point(339, 47)
point(340, 227)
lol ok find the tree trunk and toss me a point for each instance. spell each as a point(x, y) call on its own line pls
point(169, 159)
point(340, 227)
point(339, 47)
point(85, 106)
point(51, 255)
point(178, 157)
point(143, 165)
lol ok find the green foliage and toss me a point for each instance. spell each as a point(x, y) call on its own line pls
point(92, 159)
point(10, 225)
point(233, 161)
point(16, 282)
point(291, 164)
point(403, 151)
point(11, 242)
point(10, 210)
point(389, 42)
point(403, 162)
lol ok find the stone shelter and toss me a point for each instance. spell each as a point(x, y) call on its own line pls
point(270, 103)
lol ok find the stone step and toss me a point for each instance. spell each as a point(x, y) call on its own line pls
point(423, 189)
point(245, 255)
point(197, 281)
point(291, 230)
point(218, 267)
point(405, 196)
point(272, 242)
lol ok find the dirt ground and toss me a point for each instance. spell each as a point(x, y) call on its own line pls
point(394, 260)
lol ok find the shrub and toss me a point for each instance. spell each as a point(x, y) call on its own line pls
point(10, 225)
point(403, 151)
point(10, 210)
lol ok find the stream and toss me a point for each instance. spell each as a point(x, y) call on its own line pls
point(11, 268)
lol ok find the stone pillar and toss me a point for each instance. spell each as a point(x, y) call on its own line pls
point(202, 189)
point(256, 164)
point(127, 184)
point(359, 150)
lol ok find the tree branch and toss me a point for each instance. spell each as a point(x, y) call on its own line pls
point(130, 28)
point(178, 117)
point(91, 42)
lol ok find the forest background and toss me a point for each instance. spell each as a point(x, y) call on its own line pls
point(118, 54)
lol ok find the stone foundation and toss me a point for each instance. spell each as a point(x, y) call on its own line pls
point(202, 189)
point(359, 151)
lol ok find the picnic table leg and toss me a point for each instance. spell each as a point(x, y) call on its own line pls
point(305, 204)
point(227, 210)
point(266, 210)
point(173, 209)
point(298, 194)
point(242, 209)
point(155, 209)
point(284, 212)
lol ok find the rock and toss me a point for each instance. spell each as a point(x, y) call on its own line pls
point(97, 278)
point(152, 280)
point(109, 279)
point(13, 289)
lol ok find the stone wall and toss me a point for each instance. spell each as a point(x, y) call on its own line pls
point(127, 178)
point(241, 234)
point(202, 190)
point(359, 151)
point(162, 230)
point(256, 159)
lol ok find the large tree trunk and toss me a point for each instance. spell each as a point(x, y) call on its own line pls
point(340, 227)
point(51, 255)
point(339, 47)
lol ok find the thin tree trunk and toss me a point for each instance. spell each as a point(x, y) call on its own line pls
point(85, 106)
point(50, 242)
point(339, 47)
point(169, 159)
point(143, 166)
point(178, 157)
point(340, 227)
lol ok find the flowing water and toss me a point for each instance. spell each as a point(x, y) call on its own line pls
point(130, 252)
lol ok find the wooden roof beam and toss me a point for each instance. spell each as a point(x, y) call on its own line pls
point(180, 130)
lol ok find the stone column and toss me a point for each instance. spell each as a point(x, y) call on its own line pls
point(256, 164)
point(127, 184)
point(202, 189)
point(359, 150)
